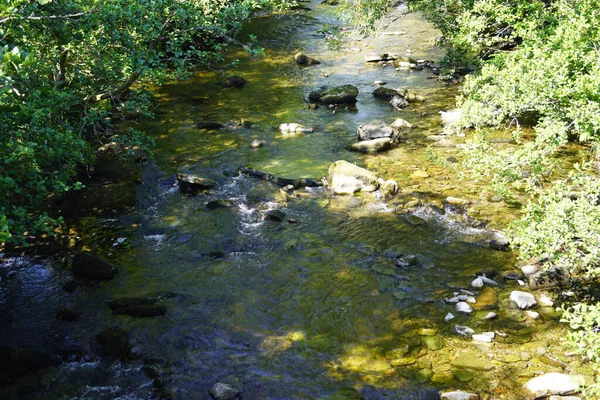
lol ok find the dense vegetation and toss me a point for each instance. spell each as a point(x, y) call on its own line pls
point(69, 68)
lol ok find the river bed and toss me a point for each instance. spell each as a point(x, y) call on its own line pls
point(342, 299)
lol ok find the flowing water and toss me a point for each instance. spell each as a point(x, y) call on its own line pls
point(323, 307)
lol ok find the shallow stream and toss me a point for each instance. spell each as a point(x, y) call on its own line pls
point(331, 302)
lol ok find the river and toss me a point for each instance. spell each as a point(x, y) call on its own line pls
point(342, 299)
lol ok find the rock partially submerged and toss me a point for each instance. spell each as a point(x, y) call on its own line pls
point(523, 300)
point(347, 178)
point(192, 184)
point(137, 306)
point(93, 267)
point(209, 125)
point(294, 128)
point(372, 146)
point(551, 384)
point(458, 395)
point(334, 95)
point(224, 391)
point(113, 343)
point(375, 130)
point(234, 81)
point(304, 60)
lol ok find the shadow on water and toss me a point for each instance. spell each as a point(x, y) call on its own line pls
point(342, 299)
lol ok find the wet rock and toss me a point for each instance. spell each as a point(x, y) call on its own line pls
point(331, 2)
point(71, 286)
point(432, 342)
point(374, 57)
point(192, 184)
point(234, 81)
point(523, 300)
point(347, 178)
point(551, 384)
point(375, 130)
point(486, 299)
point(294, 128)
point(449, 317)
point(553, 361)
point(304, 60)
point(477, 283)
point(499, 243)
point(113, 343)
point(512, 276)
point(473, 362)
point(487, 281)
point(532, 314)
point(550, 278)
point(385, 93)
point(372, 146)
point(90, 266)
point(334, 95)
point(17, 362)
point(209, 125)
point(398, 103)
point(255, 144)
point(224, 391)
point(137, 306)
point(415, 220)
point(418, 174)
point(214, 204)
point(66, 314)
point(236, 124)
point(275, 215)
point(458, 395)
point(463, 331)
point(464, 308)
point(216, 254)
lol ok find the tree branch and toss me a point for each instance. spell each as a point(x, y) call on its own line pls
point(37, 18)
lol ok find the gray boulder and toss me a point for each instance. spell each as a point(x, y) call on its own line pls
point(334, 95)
point(192, 184)
point(347, 178)
point(398, 103)
point(550, 278)
point(385, 93)
point(375, 130)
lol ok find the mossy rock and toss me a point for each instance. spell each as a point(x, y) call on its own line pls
point(137, 306)
point(17, 362)
point(334, 95)
point(93, 267)
point(113, 343)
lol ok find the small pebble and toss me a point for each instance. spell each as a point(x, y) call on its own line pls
point(449, 317)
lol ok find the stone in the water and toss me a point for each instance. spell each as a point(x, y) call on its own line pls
point(458, 395)
point(456, 201)
point(416, 220)
point(450, 117)
point(398, 103)
point(255, 144)
point(275, 215)
point(482, 338)
point(418, 174)
point(304, 60)
point(224, 391)
point(292, 127)
point(550, 278)
point(93, 267)
point(487, 281)
point(464, 308)
point(463, 331)
point(192, 184)
point(449, 317)
point(113, 343)
point(347, 178)
point(523, 300)
point(137, 306)
point(234, 81)
point(490, 315)
point(375, 130)
point(432, 342)
point(17, 362)
point(472, 362)
point(551, 384)
point(335, 95)
point(372, 146)
point(214, 204)
point(477, 283)
point(71, 286)
point(385, 93)
point(529, 270)
point(487, 299)
point(389, 187)
point(209, 125)
point(512, 276)
point(532, 314)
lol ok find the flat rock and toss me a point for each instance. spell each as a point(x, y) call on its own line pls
point(372, 146)
point(523, 300)
point(192, 184)
point(482, 338)
point(347, 178)
point(304, 60)
point(551, 384)
point(463, 331)
point(334, 95)
point(292, 127)
point(472, 362)
point(458, 395)
point(374, 130)
point(464, 308)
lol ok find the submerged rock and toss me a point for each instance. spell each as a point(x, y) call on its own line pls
point(335, 95)
point(16, 362)
point(463, 331)
point(224, 391)
point(376, 130)
point(385, 93)
point(304, 60)
point(472, 362)
point(294, 128)
point(550, 384)
point(234, 81)
point(90, 266)
point(137, 306)
point(209, 125)
point(347, 178)
point(214, 204)
point(255, 144)
point(113, 343)
point(398, 103)
point(66, 314)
